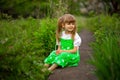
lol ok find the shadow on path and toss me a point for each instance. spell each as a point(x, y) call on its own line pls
point(82, 72)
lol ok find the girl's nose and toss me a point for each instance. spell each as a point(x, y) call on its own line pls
point(71, 25)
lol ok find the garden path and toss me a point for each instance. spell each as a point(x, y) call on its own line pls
point(82, 72)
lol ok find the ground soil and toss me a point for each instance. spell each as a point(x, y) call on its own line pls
point(82, 72)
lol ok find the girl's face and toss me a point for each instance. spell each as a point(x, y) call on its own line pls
point(69, 27)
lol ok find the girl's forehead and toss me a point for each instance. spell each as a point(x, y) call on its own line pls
point(69, 22)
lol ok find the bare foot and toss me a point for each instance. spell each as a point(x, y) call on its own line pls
point(46, 65)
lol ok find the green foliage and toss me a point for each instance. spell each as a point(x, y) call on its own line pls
point(35, 8)
point(106, 58)
point(60, 7)
point(5, 16)
point(112, 6)
point(23, 46)
point(46, 35)
point(107, 46)
point(38, 8)
point(74, 6)
point(104, 25)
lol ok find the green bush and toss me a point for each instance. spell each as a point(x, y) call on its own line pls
point(25, 8)
point(46, 35)
point(106, 48)
point(24, 43)
point(37, 8)
point(106, 58)
point(104, 25)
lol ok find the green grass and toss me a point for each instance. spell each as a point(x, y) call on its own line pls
point(106, 48)
point(106, 58)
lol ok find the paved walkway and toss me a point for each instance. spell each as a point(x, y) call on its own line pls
point(82, 72)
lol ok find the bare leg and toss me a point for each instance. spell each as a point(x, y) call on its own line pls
point(46, 65)
point(45, 68)
point(54, 66)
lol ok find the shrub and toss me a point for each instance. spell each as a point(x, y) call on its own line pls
point(23, 46)
point(47, 36)
point(104, 25)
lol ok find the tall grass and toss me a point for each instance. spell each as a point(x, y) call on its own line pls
point(106, 59)
point(106, 48)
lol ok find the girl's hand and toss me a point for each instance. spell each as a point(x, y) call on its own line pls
point(58, 51)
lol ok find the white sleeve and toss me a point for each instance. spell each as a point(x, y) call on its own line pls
point(77, 41)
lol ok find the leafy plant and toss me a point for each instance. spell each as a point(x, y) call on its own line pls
point(106, 47)
point(106, 58)
point(23, 46)
point(104, 25)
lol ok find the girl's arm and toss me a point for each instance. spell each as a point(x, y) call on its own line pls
point(58, 50)
point(71, 51)
point(58, 47)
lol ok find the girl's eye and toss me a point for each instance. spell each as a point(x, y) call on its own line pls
point(69, 23)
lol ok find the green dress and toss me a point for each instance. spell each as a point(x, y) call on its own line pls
point(65, 58)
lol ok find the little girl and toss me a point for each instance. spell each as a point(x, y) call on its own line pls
point(68, 42)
